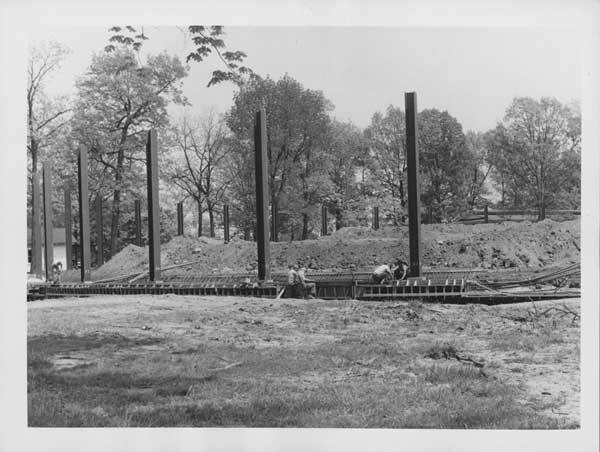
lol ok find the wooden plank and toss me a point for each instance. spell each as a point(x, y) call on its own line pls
point(262, 195)
point(153, 206)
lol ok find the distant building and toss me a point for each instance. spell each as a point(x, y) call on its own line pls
point(59, 247)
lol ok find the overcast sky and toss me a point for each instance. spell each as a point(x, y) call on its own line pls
point(473, 73)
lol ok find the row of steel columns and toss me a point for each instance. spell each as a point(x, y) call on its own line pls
point(262, 203)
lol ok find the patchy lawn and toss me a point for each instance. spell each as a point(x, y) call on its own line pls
point(200, 361)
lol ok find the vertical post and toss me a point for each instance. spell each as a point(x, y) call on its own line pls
point(226, 223)
point(138, 222)
point(48, 228)
point(68, 228)
point(84, 215)
point(99, 232)
point(179, 218)
point(262, 194)
point(376, 217)
point(485, 214)
point(323, 220)
point(414, 195)
point(36, 226)
point(274, 221)
point(153, 209)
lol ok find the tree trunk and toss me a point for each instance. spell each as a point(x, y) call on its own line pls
point(116, 205)
point(304, 226)
point(199, 218)
point(339, 222)
point(211, 217)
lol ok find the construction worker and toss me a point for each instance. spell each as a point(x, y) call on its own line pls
point(309, 287)
point(56, 271)
point(401, 270)
point(382, 274)
point(294, 283)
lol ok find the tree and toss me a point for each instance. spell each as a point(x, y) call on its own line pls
point(347, 170)
point(119, 99)
point(386, 136)
point(207, 40)
point(296, 121)
point(46, 116)
point(477, 166)
point(538, 147)
point(443, 163)
point(195, 163)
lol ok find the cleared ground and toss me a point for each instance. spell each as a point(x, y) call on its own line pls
point(202, 361)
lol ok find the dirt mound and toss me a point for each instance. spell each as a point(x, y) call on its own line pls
point(131, 259)
point(523, 245)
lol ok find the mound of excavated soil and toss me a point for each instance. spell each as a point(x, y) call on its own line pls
point(523, 245)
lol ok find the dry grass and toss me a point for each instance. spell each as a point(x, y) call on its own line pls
point(302, 365)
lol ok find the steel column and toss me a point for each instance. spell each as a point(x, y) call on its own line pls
point(226, 223)
point(262, 195)
point(179, 218)
point(138, 222)
point(376, 217)
point(68, 228)
point(199, 218)
point(153, 206)
point(486, 214)
point(48, 228)
point(36, 227)
point(274, 221)
point(414, 195)
point(99, 232)
point(323, 220)
point(84, 214)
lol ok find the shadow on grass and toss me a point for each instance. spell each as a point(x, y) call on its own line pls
point(52, 344)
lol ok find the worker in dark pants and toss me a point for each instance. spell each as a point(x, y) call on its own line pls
point(309, 287)
point(296, 289)
point(401, 270)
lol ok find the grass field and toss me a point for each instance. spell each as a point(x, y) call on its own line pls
point(200, 361)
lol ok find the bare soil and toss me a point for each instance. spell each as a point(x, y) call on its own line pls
point(522, 246)
point(202, 361)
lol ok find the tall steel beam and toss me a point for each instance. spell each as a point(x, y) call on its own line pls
point(324, 220)
point(226, 223)
point(68, 228)
point(262, 195)
point(179, 218)
point(274, 221)
point(376, 217)
point(153, 206)
point(84, 215)
point(48, 228)
point(414, 192)
point(138, 222)
point(36, 227)
point(99, 232)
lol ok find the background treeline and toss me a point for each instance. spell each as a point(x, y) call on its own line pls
point(531, 159)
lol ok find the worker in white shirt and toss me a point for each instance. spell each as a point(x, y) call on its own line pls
point(383, 273)
point(309, 286)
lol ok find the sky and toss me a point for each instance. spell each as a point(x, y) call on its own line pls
point(473, 73)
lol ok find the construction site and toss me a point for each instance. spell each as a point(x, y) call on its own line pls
point(481, 333)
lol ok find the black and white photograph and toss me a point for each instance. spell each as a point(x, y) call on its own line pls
point(343, 227)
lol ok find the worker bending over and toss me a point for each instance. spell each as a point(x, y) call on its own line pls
point(309, 287)
point(383, 273)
